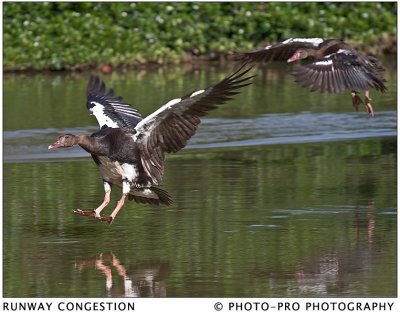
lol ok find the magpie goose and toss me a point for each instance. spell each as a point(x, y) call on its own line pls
point(333, 66)
point(129, 150)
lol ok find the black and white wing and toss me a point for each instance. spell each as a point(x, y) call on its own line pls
point(109, 110)
point(170, 127)
point(338, 72)
point(279, 51)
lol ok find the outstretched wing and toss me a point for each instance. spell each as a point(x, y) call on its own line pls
point(279, 51)
point(340, 71)
point(108, 109)
point(170, 127)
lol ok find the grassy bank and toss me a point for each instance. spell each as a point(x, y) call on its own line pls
point(58, 36)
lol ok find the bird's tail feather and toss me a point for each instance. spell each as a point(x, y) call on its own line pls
point(152, 195)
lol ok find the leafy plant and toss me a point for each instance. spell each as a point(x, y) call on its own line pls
point(69, 35)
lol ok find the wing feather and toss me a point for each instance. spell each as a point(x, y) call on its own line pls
point(337, 72)
point(279, 51)
point(108, 109)
point(345, 78)
point(169, 128)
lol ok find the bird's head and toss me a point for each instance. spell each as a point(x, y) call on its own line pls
point(64, 141)
point(298, 55)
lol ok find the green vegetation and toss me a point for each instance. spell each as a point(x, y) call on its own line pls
point(56, 36)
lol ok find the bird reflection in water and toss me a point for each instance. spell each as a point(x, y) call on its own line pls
point(370, 223)
point(336, 269)
point(327, 272)
point(146, 280)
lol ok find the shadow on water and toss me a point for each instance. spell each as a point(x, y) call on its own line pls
point(281, 192)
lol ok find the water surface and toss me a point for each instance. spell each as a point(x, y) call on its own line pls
point(281, 192)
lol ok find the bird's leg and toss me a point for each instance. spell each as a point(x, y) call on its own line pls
point(103, 205)
point(112, 216)
point(356, 99)
point(368, 105)
point(126, 187)
point(96, 212)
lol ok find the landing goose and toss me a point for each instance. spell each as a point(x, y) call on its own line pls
point(129, 150)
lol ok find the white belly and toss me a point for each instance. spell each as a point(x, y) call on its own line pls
point(115, 172)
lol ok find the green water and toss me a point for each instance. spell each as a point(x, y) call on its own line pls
point(277, 220)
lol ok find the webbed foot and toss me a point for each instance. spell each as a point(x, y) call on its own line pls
point(356, 100)
point(107, 219)
point(82, 213)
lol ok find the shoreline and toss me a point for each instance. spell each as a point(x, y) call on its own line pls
point(384, 46)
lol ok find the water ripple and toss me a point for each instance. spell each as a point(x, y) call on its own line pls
point(31, 144)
